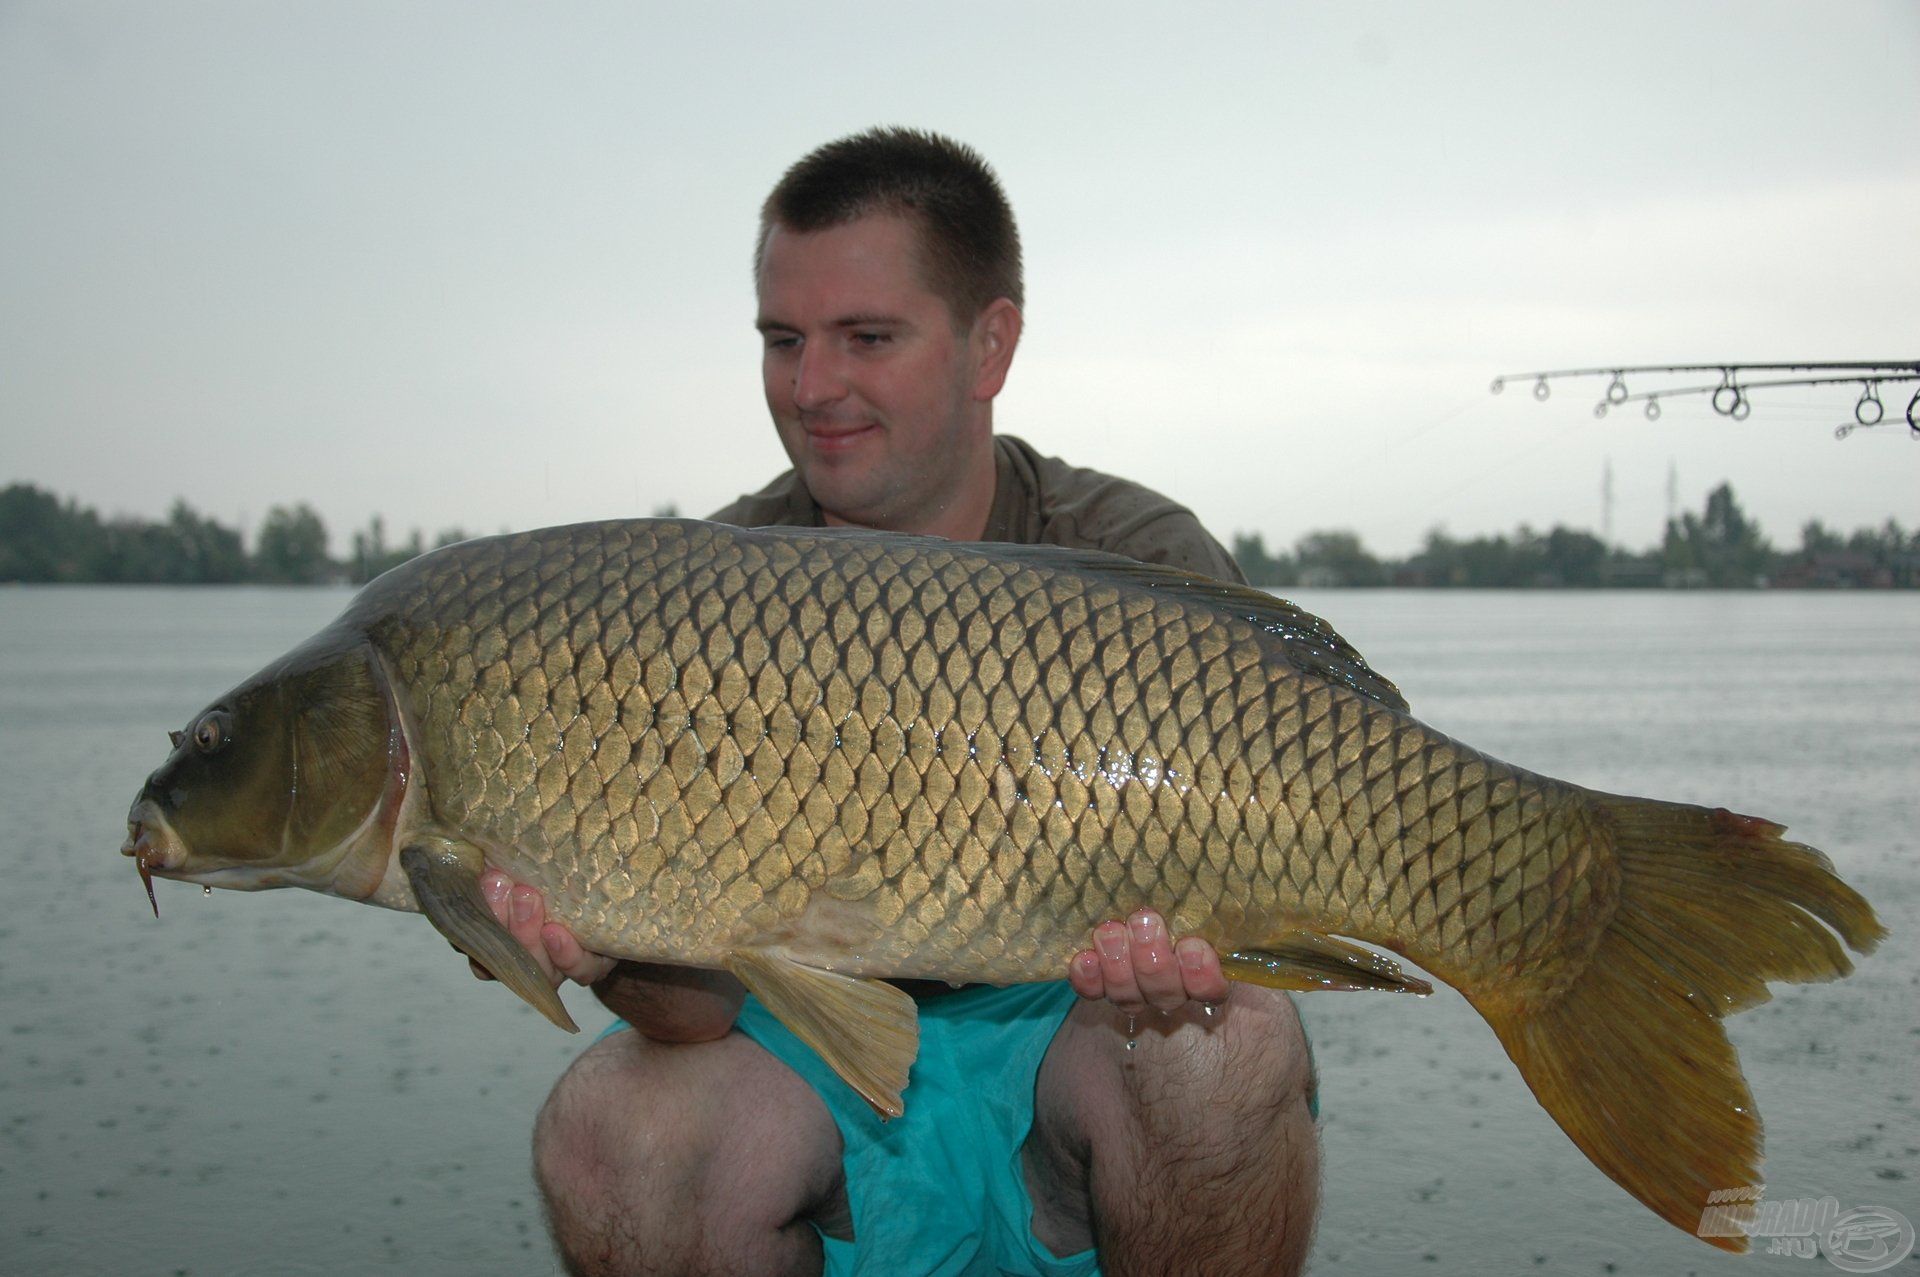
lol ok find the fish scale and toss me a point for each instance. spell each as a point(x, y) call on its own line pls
point(810, 757)
point(688, 715)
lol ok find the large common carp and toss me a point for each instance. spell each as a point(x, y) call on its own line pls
point(814, 758)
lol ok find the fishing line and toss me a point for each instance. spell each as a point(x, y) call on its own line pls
point(1483, 474)
point(1437, 422)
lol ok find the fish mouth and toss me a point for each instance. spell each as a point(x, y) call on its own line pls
point(154, 846)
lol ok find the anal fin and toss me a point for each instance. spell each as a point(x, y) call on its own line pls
point(1308, 960)
point(866, 1030)
point(449, 894)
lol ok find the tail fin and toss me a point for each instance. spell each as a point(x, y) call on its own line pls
point(1631, 1059)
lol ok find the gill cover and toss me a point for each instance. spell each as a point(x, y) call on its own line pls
point(278, 781)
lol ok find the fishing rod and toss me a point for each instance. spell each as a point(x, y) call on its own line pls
point(1729, 395)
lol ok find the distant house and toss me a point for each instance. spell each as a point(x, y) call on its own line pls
point(1631, 574)
point(1836, 570)
point(1319, 577)
point(1685, 579)
point(1409, 576)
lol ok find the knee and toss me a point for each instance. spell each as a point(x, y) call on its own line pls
point(1248, 1063)
point(648, 1161)
point(1263, 1047)
point(1235, 1087)
point(1200, 1150)
point(612, 1161)
point(572, 1144)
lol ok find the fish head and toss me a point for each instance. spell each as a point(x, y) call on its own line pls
point(279, 782)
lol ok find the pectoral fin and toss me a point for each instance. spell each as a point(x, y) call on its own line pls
point(1307, 960)
point(449, 894)
point(866, 1030)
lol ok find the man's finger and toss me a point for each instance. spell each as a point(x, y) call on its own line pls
point(496, 886)
point(1083, 973)
point(1116, 966)
point(528, 911)
point(569, 958)
point(1156, 972)
point(1200, 970)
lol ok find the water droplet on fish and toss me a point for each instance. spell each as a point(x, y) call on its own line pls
point(1133, 1029)
point(206, 891)
point(1206, 1009)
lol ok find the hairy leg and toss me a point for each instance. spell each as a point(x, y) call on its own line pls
point(650, 1160)
point(1192, 1152)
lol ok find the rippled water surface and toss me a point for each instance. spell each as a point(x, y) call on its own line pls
point(281, 1083)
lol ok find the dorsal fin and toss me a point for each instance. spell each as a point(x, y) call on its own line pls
point(1309, 644)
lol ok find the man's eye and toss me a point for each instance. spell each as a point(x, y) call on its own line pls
point(782, 343)
point(871, 340)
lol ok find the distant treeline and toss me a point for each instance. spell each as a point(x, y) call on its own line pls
point(1718, 548)
point(45, 539)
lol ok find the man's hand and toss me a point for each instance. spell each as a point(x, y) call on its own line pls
point(523, 912)
point(1135, 965)
point(666, 1004)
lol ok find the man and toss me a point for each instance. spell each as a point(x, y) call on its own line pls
point(1132, 1131)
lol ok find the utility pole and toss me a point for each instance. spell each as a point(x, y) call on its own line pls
point(1606, 504)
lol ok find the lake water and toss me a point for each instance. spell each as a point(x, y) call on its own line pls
point(282, 1083)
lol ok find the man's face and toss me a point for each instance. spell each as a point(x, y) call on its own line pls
point(872, 391)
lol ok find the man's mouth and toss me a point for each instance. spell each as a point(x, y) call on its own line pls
point(833, 436)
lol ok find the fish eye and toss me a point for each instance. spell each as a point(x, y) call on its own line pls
point(210, 733)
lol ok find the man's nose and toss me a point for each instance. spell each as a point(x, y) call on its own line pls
point(817, 379)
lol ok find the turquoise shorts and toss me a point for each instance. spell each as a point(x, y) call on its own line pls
point(941, 1191)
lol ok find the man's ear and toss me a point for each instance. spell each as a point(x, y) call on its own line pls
point(996, 331)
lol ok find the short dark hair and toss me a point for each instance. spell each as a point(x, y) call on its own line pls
point(970, 247)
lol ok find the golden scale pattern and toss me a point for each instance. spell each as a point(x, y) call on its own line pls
point(690, 734)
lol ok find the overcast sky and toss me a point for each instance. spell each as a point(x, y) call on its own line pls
point(486, 264)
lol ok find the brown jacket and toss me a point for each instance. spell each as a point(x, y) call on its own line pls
point(1039, 501)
